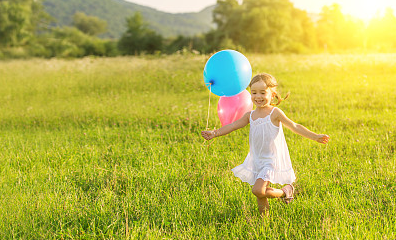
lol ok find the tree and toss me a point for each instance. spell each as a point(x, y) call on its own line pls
point(227, 16)
point(90, 25)
point(336, 31)
point(71, 42)
point(14, 18)
point(190, 44)
point(139, 38)
point(19, 20)
point(266, 24)
point(261, 26)
point(381, 31)
point(302, 33)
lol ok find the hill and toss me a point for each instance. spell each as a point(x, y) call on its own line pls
point(116, 11)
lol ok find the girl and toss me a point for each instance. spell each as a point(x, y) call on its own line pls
point(268, 160)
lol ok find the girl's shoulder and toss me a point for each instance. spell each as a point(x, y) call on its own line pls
point(276, 112)
point(248, 114)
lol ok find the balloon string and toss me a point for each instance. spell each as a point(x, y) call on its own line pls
point(207, 120)
point(210, 91)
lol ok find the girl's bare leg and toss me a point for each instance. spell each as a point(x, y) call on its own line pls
point(274, 193)
point(263, 192)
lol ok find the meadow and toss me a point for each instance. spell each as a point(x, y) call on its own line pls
point(110, 148)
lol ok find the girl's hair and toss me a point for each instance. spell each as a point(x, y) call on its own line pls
point(271, 83)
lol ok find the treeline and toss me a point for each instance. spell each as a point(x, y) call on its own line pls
point(25, 31)
point(277, 26)
point(263, 26)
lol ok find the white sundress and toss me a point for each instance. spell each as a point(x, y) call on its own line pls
point(269, 157)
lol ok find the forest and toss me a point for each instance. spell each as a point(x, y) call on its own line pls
point(257, 26)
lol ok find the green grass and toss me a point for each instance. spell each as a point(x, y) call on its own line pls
point(111, 148)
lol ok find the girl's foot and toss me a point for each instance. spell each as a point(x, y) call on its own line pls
point(288, 190)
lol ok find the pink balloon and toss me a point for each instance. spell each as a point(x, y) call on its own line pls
point(233, 108)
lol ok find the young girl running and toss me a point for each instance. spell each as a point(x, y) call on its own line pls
point(268, 160)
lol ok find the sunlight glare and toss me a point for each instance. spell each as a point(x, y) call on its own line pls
point(367, 9)
point(362, 9)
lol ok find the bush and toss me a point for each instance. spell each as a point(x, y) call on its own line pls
point(13, 52)
point(295, 47)
point(111, 48)
point(71, 42)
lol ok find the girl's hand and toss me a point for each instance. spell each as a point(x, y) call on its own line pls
point(208, 134)
point(322, 138)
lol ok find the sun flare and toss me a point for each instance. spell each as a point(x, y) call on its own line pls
point(366, 9)
point(362, 9)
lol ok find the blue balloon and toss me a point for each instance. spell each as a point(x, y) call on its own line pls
point(228, 72)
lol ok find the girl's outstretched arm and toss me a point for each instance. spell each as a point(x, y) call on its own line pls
point(240, 123)
point(298, 128)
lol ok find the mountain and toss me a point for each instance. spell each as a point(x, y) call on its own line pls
point(116, 11)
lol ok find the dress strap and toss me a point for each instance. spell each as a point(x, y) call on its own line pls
point(251, 115)
point(272, 110)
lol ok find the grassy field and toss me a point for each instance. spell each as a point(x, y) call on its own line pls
point(111, 149)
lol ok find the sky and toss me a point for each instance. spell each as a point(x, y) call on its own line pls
point(363, 9)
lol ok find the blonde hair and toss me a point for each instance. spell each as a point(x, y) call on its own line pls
point(271, 83)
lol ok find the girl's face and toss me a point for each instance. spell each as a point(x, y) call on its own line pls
point(261, 94)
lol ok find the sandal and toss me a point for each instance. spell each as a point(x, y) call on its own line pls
point(288, 190)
